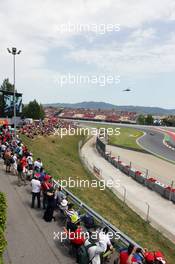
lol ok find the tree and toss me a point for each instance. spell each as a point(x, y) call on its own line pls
point(33, 110)
point(149, 120)
point(141, 120)
point(7, 86)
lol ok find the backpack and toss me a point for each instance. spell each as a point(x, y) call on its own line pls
point(83, 255)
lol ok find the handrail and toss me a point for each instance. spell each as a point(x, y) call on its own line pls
point(123, 237)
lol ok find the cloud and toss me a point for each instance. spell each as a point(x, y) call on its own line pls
point(33, 26)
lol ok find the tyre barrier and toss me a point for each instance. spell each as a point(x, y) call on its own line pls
point(166, 191)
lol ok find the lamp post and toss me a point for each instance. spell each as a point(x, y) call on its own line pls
point(14, 52)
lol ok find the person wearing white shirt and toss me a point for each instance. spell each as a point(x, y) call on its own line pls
point(15, 164)
point(93, 253)
point(38, 165)
point(104, 241)
point(36, 189)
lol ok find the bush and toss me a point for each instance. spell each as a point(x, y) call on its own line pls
point(3, 242)
point(3, 215)
point(3, 218)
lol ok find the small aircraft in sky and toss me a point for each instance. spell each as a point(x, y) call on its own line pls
point(127, 90)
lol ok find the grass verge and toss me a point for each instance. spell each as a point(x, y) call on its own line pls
point(127, 138)
point(61, 159)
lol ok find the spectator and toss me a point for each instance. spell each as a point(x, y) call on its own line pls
point(20, 172)
point(63, 206)
point(30, 162)
point(36, 189)
point(38, 165)
point(42, 175)
point(45, 186)
point(48, 215)
point(77, 238)
point(72, 222)
point(70, 212)
point(129, 256)
point(59, 196)
point(94, 255)
point(104, 241)
point(7, 159)
point(15, 164)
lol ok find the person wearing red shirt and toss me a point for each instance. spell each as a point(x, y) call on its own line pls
point(24, 165)
point(77, 238)
point(45, 186)
point(128, 256)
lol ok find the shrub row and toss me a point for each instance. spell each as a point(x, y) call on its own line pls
point(3, 218)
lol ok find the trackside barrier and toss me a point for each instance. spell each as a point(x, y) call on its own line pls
point(166, 191)
point(122, 239)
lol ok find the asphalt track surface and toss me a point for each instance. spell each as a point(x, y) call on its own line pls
point(152, 141)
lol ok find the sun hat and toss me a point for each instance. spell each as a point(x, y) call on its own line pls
point(64, 202)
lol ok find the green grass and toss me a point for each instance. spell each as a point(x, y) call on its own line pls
point(61, 159)
point(127, 138)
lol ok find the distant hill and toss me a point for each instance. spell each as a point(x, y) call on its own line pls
point(129, 108)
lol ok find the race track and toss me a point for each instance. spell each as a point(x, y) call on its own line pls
point(152, 141)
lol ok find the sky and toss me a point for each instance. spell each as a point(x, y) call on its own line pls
point(115, 44)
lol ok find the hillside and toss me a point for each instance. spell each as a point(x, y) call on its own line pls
point(129, 108)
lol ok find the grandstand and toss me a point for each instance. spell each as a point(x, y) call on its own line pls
point(112, 116)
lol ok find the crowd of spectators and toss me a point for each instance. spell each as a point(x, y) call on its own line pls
point(44, 128)
point(99, 115)
point(79, 226)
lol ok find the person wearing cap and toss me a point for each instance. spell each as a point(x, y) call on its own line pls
point(77, 238)
point(72, 222)
point(70, 212)
point(63, 206)
point(36, 189)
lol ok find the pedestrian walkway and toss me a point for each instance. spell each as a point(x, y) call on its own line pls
point(30, 238)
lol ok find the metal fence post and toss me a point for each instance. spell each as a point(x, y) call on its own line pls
point(170, 196)
point(148, 212)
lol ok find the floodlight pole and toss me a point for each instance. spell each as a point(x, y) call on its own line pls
point(14, 52)
point(14, 95)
